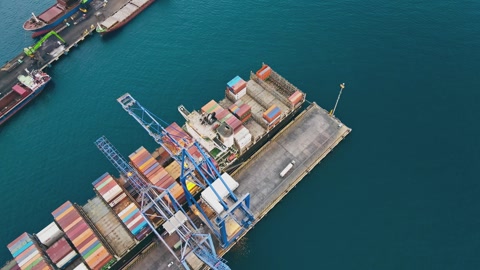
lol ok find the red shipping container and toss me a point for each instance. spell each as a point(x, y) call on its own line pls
point(244, 110)
point(59, 250)
point(264, 72)
point(239, 86)
point(62, 208)
point(20, 90)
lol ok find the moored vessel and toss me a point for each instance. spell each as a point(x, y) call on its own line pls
point(28, 88)
point(125, 14)
point(251, 113)
point(54, 15)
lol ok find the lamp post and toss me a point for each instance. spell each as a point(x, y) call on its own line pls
point(332, 112)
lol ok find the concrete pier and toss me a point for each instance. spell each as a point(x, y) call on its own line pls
point(306, 140)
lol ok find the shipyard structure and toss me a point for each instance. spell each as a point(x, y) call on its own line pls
point(185, 204)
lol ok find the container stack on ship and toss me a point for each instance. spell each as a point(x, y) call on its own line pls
point(28, 253)
point(252, 112)
point(124, 208)
point(110, 229)
point(82, 236)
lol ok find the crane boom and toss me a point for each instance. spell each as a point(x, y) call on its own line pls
point(31, 50)
point(199, 169)
point(154, 199)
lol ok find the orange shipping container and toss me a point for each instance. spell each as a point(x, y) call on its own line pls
point(82, 237)
point(209, 105)
point(264, 72)
point(147, 164)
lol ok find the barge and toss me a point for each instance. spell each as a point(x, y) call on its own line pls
point(124, 15)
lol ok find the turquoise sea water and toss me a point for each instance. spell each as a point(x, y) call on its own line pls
point(402, 192)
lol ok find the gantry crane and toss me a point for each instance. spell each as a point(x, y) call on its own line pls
point(176, 219)
point(235, 216)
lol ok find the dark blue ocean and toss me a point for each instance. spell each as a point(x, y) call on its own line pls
point(401, 192)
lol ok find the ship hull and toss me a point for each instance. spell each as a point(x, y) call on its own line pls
point(21, 104)
point(127, 20)
point(36, 32)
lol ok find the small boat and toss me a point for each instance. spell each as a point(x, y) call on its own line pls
point(54, 15)
point(27, 88)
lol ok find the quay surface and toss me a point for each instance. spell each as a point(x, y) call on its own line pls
point(307, 140)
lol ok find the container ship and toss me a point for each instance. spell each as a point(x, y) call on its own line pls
point(251, 113)
point(125, 14)
point(54, 15)
point(116, 230)
point(26, 90)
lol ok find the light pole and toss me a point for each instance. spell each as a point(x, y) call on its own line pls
point(332, 112)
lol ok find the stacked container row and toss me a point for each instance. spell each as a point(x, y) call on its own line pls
point(82, 236)
point(264, 72)
point(243, 138)
point(164, 180)
point(212, 107)
point(242, 112)
point(27, 253)
point(134, 221)
point(61, 253)
point(272, 114)
point(150, 168)
point(296, 97)
point(236, 85)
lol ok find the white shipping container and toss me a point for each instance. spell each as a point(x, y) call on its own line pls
point(132, 223)
point(209, 196)
point(245, 141)
point(239, 95)
point(130, 206)
point(49, 234)
point(112, 193)
point(174, 222)
point(81, 266)
point(241, 133)
point(287, 168)
point(118, 199)
point(66, 259)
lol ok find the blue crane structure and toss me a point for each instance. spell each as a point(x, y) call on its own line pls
point(235, 217)
point(154, 202)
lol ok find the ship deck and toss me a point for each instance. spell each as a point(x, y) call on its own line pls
point(307, 140)
point(110, 227)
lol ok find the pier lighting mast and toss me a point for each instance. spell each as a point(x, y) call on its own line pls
point(332, 112)
point(235, 216)
point(154, 202)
